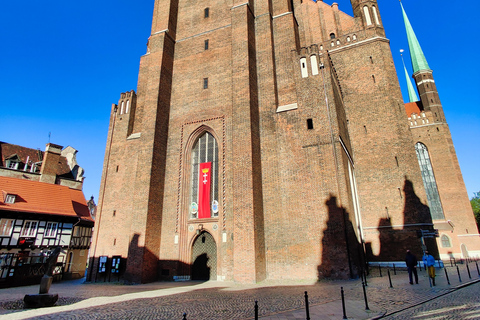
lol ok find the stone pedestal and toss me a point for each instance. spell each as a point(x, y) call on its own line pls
point(40, 300)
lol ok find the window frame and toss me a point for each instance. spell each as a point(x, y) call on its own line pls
point(202, 149)
point(6, 224)
point(31, 228)
point(51, 232)
point(442, 241)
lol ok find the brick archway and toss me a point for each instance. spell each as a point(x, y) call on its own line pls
point(204, 257)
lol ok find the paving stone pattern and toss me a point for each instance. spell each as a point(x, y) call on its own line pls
point(223, 300)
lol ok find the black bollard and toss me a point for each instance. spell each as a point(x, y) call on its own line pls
point(459, 277)
point(451, 263)
point(394, 270)
point(184, 316)
point(446, 276)
point(389, 278)
point(256, 310)
point(380, 270)
point(307, 310)
point(478, 271)
point(343, 304)
point(468, 271)
point(365, 296)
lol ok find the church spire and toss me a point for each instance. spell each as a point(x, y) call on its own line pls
point(418, 58)
point(412, 94)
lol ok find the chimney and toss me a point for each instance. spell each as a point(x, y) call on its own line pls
point(48, 172)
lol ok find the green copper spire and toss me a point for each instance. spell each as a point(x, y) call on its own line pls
point(412, 94)
point(418, 58)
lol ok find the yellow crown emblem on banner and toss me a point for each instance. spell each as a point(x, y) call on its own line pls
point(205, 170)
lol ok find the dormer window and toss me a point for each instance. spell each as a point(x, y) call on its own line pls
point(12, 162)
point(10, 198)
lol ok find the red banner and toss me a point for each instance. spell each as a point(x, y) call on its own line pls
point(204, 190)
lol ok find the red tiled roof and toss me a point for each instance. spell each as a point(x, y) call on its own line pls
point(413, 107)
point(33, 155)
point(43, 198)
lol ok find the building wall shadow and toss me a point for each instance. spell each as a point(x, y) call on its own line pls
point(130, 269)
point(341, 250)
point(394, 242)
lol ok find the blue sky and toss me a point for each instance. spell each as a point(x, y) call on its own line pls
point(63, 63)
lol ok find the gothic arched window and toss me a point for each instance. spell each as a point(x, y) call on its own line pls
point(429, 182)
point(445, 241)
point(204, 177)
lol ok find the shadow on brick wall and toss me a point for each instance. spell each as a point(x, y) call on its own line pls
point(395, 241)
point(341, 254)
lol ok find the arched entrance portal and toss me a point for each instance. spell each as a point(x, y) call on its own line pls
point(204, 257)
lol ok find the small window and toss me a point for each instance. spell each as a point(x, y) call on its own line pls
point(348, 39)
point(51, 230)
point(206, 44)
point(207, 12)
point(6, 227)
point(309, 124)
point(10, 198)
point(446, 241)
point(29, 228)
point(128, 106)
point(205, 83)
point(332, 35)
point(303, 67)
point(121, 109)
point(12, 164)
point(354, 37)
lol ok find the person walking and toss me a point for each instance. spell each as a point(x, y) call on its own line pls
point(411, 261)
point(429, 262)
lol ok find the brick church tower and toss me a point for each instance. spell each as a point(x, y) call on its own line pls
point(266, 140)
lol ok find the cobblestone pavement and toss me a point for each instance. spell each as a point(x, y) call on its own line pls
point(224, 300)
point(459, 304)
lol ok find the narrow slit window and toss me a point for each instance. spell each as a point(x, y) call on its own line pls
point(375, 15)
point(368, 20)
point(207, 12)
point(206, 44)
point(309, 124)
point(205, 83)
point(314, 63)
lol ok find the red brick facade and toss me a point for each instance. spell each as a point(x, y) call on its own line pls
point(316, 161)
